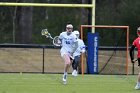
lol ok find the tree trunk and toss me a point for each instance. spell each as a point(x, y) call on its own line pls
point(24, 29)
point(84, 14)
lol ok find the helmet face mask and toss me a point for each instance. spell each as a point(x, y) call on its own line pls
point(138, 31)
point(77, 35)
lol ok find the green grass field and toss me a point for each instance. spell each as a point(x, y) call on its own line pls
point(52, 83)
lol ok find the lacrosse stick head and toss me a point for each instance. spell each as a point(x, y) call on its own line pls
point(46, 33)
point(56, 41)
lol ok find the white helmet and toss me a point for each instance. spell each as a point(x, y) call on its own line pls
point(76, 32)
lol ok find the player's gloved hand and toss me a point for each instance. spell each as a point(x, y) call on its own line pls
point(83, 51)
point(59, 42)
point(132, 61)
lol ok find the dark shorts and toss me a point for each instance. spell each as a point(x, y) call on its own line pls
point(77, 58)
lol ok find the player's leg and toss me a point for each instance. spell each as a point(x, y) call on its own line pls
point(138, 81)
point(75, 65)
point(73, 62)
point(67, 61)
point(74, 72)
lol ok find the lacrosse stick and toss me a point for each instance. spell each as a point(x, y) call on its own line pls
point(55, 40)
point(135, 60)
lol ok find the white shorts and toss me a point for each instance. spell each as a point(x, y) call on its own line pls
point(62, 51)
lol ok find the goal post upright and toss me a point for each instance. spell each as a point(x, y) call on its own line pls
point(107, 26)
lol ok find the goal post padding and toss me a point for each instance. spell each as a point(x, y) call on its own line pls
point(92, 61)
point(114, 60)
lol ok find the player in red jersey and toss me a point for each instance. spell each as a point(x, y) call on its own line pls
point(136, 44)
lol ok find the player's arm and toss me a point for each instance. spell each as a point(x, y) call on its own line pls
point(60, 37)
point(132, 53)
point(82, 47)
point(75, 46)
point(75, 43)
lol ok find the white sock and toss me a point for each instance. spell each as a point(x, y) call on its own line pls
point(65, 73)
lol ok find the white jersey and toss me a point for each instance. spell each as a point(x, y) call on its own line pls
point(81, 48)
point(67, 43)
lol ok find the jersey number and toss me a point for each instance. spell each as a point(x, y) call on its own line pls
point(67, 42)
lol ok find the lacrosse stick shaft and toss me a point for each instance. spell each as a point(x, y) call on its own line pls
point(133, 69)
point(49, 36)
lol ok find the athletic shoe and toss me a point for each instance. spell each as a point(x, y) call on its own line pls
point(64, 78)
point(137, 87)
point(74, 73)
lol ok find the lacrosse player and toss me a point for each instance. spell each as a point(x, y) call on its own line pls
point(136, 43)
point(68, 46)
point(76, 55)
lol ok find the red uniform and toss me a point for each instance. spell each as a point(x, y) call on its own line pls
point(136, 43)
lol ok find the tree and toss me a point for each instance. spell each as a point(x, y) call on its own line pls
point(129, 15)
point(24, 28)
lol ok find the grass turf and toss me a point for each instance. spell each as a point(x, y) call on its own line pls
point(52, 83)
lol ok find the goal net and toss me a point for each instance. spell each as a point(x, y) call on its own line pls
point(113, 48)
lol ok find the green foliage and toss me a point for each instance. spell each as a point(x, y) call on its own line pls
point(129, 15)
point(6, 24)
point(118, 12)
point(108, 12)
point(54, 19)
